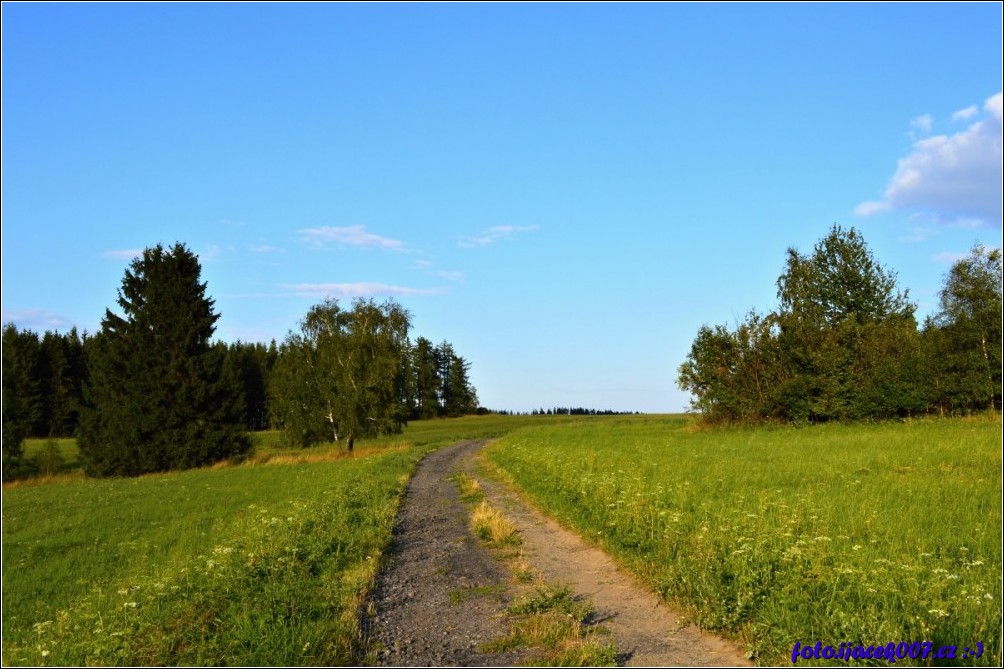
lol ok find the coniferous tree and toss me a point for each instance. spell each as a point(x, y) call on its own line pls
point(62, 373)
point(250, 365)
point(425, 371)
point(21, 396)
point(157, 398)
point(459, 396)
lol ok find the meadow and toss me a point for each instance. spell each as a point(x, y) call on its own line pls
point(264, 563)
point(864, 534)
point(837, 533)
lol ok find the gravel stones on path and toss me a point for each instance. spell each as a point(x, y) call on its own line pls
point(441, 593)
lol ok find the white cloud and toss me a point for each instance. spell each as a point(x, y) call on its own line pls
point(966, 114)
point(353, 235)
point(361, 289)
point(495, 234)
point(872, 207)
point(122, 254)
point(951, 178)
point(36, 319)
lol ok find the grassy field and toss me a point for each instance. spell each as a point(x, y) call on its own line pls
point(871, 534)
point(865, 534)
point(262, 563)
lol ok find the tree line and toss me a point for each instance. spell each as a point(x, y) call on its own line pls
point(844, 344)
point(151, 391)
point(577, 411)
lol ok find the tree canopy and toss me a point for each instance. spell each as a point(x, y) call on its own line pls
point(342, 375)
point(843, 343)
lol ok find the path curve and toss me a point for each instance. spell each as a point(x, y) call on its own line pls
point(441, 593)
point(648, 633)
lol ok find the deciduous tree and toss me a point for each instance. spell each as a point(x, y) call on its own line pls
point(342, 376)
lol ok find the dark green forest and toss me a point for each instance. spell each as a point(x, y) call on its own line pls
point(844, 343)
point(151, 391)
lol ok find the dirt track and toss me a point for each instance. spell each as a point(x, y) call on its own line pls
point(441, 594)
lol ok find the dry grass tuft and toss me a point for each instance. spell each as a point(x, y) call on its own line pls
point(493, 527)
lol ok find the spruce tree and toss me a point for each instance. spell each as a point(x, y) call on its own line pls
point(157, 398)
point(22, 399)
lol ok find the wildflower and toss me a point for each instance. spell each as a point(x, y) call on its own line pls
point(856, 547)
point(939, 613)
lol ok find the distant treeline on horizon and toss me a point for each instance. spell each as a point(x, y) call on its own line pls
point(566, 411)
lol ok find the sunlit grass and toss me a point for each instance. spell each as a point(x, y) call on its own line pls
point(492, 527)
point(863, 533)
point(265, 562)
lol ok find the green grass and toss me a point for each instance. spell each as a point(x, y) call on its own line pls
point(861, 533)
point(262, 563)
point(553, 622)
point(266, 444)
point(867, 533)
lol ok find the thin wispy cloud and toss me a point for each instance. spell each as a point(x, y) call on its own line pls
point(951, 179)
point(429, 267)
point(213, 252)
point(361, 289)
point(36, 319)
point(495, 234)
point(449, 275)
point(948, 257)
point(966, 114)
point(265, 248)
point(923, 123)
point(353, 235)
point(122, 254)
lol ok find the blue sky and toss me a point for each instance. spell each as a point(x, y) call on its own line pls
point(564, 192)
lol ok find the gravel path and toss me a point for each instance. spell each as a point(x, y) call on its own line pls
point(441, 594)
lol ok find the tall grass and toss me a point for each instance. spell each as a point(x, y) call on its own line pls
point(262, 563)
point(865, 534)
point(236, 566)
